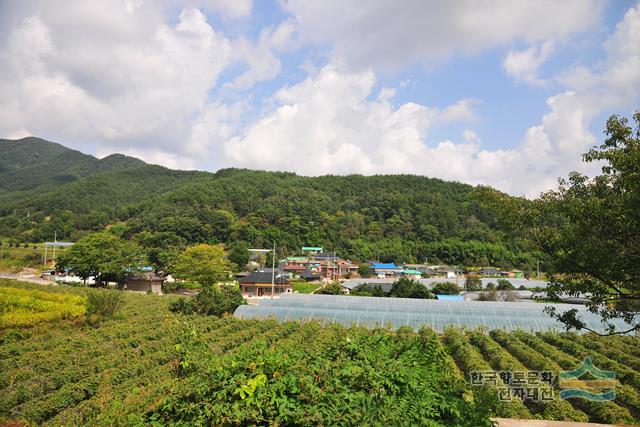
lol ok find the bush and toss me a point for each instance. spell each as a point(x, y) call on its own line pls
point(103, 303)
point(367, 290)
point(491, 286)
point(491, 295)
point(446, 288)
point(504, 285)
point(330, 289)
point(210, 301)
point(473, 283)
point(408, 288)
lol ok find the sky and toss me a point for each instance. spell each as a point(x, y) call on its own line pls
point(503, 93)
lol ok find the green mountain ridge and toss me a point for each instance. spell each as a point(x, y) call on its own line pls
point(46, 187)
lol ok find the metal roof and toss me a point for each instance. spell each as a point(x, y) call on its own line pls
point(416, 313)
point(383, 265)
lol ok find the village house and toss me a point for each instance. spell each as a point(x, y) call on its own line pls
point(448, 272)
point(382, 270)
point(338, 269)
point(146, 281)
point(258, 285)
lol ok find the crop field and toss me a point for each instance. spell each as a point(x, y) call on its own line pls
point(149, 366)
point(27, 307)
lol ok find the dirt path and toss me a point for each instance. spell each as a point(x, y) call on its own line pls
point(30, 279)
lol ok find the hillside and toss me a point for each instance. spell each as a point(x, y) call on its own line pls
point(47, 188)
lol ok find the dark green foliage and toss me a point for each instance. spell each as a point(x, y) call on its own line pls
point(210, 301)
point(239, 254)
point(588, 230)
point(504, 285)
point(365, 270)
point(320, 376)
point(399, 218)
point(330, 289)
point(368, 290)
point(408, 288)
point(148, 366)
point(446, 288)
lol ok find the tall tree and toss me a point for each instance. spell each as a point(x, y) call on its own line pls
point(589, 230)
point(104, 256)
point(205, 264)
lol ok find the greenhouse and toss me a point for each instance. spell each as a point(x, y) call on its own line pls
point(416, 313)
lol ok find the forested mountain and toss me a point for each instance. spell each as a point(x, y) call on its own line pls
point(46, 187)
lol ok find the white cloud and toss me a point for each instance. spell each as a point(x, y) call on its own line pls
point(329, 124)
point(326, 124)
point(79, 72)
point(260, 59)
point(386, 34)
point(524, 65)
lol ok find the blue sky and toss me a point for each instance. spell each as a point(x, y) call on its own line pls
point(507, 94)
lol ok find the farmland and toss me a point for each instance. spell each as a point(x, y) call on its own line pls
point(147, 365)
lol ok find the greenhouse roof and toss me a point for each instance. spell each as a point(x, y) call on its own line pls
point(416, 313)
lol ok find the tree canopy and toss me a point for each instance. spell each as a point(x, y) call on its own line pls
point(104, 256)
point(205, 264)
point(395, 218)
point(588, 229)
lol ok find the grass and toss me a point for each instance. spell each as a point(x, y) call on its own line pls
point(305, 288)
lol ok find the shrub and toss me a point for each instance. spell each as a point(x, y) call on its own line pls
point(504, 285)
point(473, 283)
point(409, 288)
point(490, 295)
point(103, 303)
point(210, 301)
point(367, 290)
point(446, 288)
point(330, 289)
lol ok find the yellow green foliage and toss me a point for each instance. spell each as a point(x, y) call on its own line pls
point(27, 307)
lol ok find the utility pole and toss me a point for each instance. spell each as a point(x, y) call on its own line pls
point(273, 270)
point(55, 240)
point(44, 263)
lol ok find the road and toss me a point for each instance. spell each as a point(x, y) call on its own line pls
point(31, 279)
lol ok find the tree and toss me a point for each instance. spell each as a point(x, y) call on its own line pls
point(367, 290)
point(210, 301)
point(333, 288)
point(446, 288)
point(490, 295)
point(365, 270)
point(504, 285)
point(588, 229)
point(473, 283)
point(409, 288)
point(205, 264)
point(239, 254)
point(102, 255)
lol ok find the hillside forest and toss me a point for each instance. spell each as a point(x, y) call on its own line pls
point(46, 188)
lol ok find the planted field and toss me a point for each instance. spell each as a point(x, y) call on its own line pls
point(149, 366)
point(27, 307)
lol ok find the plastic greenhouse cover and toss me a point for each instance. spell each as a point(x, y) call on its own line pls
point(416, 313)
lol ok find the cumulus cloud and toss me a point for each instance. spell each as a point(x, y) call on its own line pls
point(130, 77)
point(524, 65)
point(79, 72)
point(386, 34)
point(328, 123)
